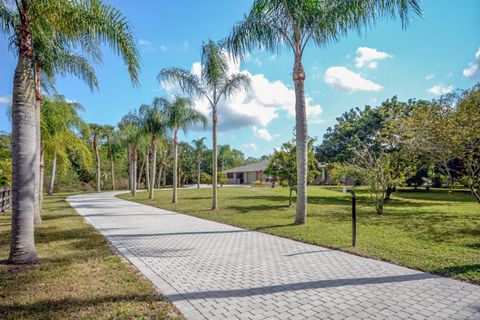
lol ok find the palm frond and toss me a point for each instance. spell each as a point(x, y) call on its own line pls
point(188, 82)
point(234, 84)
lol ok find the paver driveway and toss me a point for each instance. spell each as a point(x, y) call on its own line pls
point(211, 270)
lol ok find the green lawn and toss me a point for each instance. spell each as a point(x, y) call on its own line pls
point(78, 276)
point(436, 231)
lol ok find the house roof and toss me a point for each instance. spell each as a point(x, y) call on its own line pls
point(256, 166)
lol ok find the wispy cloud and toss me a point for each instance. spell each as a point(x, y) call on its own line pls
point(262, 133)
point(440, 89)
point(251, 146)
point(429, 77)
point(145, 45)
point(473, 69)
point(344, 79)
point(369, 57)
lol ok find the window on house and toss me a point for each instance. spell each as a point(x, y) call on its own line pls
point(230, 175)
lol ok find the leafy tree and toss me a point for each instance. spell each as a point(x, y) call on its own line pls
point(97, 134)
point(199, 149)
point(447, 131)
point(214, 84)
point(180, 114)
point(86, 19)
point(274, 24)
point(282, 166)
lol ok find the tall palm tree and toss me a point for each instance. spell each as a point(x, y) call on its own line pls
point(180, 114)
point(92, 20)
point(199, 147)
point(274, 24)
point(214, 84)
point(131, 131)
point(153, 124)
point(97, 133)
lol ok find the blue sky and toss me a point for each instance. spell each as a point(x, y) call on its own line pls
point(435, 54)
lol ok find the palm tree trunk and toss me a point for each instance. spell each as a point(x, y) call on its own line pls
point(199, 163)
point(147, 169)
point(54, 172)
point(142, 167)
point(164, 182)
point(159, 179)
point(42, 175)
point(154, 169)
point(22, 248)
point(301, 138)
point(134, 171)
point(112, 167)
point(175, 164)
point(37, 219)
point(214, 164)
point(97, 165)
point(130, 175)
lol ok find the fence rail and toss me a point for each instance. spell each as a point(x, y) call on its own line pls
point(5, 198)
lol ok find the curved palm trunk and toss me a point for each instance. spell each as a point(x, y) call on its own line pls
point(214, 164)
point(22, 248)
point(175, 164)
point(112, 167)
point(199, 163)
point(97, 165)
point(142, 168)
point(37, 219)
point(54, 173)
point(147, 169)
point(301, 138)
point(160, 172)
point(153, 170)
point(134, 171)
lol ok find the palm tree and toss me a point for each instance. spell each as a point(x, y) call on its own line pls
point(273, 24)
point(214, 84)
point(109, 133)
point(93, 20)
point(153, 124)
point(97, 133)
point(131, 131)
point(59, 123)
point(180, 114)
point(200, 147)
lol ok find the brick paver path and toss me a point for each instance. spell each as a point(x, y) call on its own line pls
point(213, 271)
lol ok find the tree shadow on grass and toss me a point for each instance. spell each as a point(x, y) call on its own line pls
point(466, 271)
point(261, 207)
point(43, 306)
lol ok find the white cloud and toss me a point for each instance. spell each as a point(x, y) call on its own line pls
point(5, 100)
point(258, 106)
point(145, 45)
point(369, 57)
point(429, 76)
point(473, 69)
point(345, 79)
point(262, 133)
point(185, 45)
point(440, 89)
point(163, 48)
point(251, 146)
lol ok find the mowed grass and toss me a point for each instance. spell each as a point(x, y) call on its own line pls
point(78, 276)
point(436, 231)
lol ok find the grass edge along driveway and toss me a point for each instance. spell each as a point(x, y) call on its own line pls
point(436, 231)
point(78, 274)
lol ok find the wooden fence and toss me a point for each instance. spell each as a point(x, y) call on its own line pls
point(5, 198)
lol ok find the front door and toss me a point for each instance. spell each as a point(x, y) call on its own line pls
point(251, 177)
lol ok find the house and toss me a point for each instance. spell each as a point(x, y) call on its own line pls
point(247, 174)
